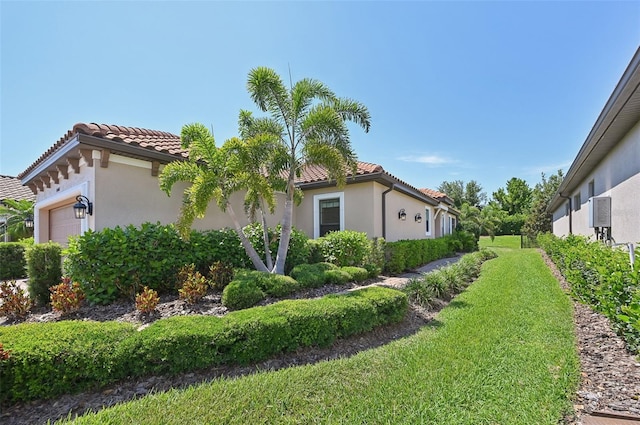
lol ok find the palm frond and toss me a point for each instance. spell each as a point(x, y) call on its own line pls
point(353, 111)
point(178, 171)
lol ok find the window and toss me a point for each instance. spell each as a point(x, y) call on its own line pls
point(452, 224)
point(427, 221)
point(577, 202)
point(328, 213)
point(592, 189)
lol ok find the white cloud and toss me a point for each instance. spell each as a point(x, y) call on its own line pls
point(433, 160)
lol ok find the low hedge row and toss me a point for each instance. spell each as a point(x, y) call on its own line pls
point(602, 277)
point(409, 254)
point(49, 359)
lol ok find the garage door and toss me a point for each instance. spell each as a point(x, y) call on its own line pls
point(62, 224)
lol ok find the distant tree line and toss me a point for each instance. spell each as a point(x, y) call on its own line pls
point(514, 209)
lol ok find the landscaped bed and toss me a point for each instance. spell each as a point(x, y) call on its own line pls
point(503, 352)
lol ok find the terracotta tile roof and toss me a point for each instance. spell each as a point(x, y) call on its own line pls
point(433, 193)
point(12, 188)
point(153, 140)
point(316, 173)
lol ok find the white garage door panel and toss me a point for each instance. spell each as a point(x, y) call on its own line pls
point(62, 224)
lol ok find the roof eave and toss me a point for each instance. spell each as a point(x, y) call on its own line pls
point(608, 122)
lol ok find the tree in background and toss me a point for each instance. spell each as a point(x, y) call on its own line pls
point(485, 221)
point(516, 199)
point(539, 220)
point(14, 213)
point(461, 193)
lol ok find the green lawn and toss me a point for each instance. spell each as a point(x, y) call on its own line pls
point(503, 352)
point(512, 242)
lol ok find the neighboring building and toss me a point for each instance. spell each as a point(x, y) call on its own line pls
point(11, 188)
point(600, 195)
point(116, 168)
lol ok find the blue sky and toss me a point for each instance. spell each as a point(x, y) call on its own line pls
point(479, 91)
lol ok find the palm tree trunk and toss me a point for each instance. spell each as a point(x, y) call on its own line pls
point(265, 234)
point(285, 233)
point(249, 249)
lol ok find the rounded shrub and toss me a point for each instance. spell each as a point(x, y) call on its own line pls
point(308, 275)
point(280, 286)
point(44, 267)
point(357, 274)
point(345, 248)
point(336, 277)
point(241, 294)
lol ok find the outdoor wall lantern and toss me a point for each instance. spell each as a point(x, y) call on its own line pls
point(402, 215)
point(82, 207)
point(28, 222)
point(418, 218)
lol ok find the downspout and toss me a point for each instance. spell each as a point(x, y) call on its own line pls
point(384, 210)
point(568, 198)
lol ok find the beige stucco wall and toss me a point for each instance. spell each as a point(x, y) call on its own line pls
point(126, 193)
point(617, 176)
point(363, 211)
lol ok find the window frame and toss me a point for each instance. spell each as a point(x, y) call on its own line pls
point(316, 210)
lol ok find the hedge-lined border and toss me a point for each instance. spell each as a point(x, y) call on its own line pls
point(51, 359)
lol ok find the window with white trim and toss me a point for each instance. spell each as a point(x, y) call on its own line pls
point(328, 213)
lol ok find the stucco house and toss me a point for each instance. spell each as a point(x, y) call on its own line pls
point(11, 188)
point(600, 195)
point(116, 169)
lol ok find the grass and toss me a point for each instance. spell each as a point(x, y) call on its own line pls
point(508, 241)
point(503, 352)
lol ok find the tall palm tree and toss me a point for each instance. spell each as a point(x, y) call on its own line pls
point(309, 121)
point(216, 173)
point(14, 213)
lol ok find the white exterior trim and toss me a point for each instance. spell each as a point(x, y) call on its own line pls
point(316, 210)
point(71, 193)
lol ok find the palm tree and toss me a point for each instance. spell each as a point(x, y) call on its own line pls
point(14, 213)
point(216, 173)
point(309, 121)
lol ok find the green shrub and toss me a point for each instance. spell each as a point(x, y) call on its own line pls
point(309, 275)
point(602, 277)
point(251, 335)
point(279, 286)
point(299, 248)
point(49, 359)
point(241, 294)
point(273, 285)
point(345, 248)
point(373, 270)
point(336, 277)
point(410, 254)
point(376, 256)
point(511, 225)
point(44, 267)
point(356, 274)
point(419, 293)
point(12, 261)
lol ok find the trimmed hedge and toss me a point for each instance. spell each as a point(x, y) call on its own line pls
point(602, 277)
point(409, 254)
point(119, 261)
point(49, 359)
point(12, 261)
point(44, 268)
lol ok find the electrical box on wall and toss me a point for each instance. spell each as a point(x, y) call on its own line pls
point(600, 211)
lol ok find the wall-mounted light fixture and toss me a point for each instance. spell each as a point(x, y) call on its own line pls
point(418, 218)
point(402, 215)
point(82, 207)
point(28, 222)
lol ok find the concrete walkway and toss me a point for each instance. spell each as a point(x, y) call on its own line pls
point(402, 280)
